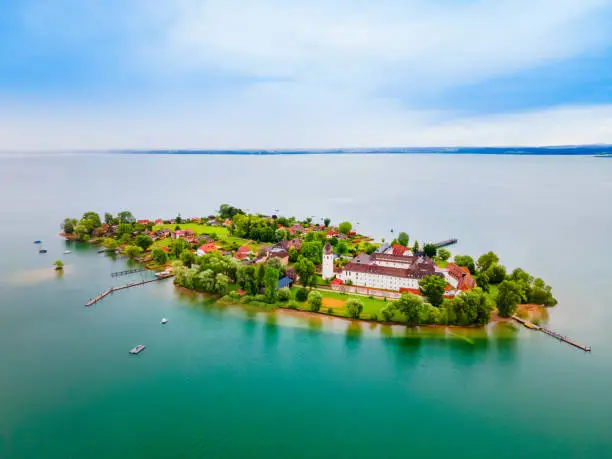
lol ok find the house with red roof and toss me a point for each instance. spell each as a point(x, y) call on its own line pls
point(185, 234)
point(400, 250)
point(206, 248)
point(159, 221)
point(459, 277)
point(243, 252)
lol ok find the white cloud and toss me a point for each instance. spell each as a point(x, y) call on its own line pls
point(369, 44)
point(335, 57)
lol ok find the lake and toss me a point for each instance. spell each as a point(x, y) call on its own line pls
point(228, 382)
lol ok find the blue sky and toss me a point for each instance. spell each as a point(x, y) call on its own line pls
point(279, 74)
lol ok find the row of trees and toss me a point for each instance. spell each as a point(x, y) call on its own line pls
point(90, 224)
point(470, 308)
point(512, 289)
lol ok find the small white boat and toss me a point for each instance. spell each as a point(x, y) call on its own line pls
point(67, 252)
point(137, 349)
point(164, 321)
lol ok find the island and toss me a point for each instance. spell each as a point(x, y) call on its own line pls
point(273, 261)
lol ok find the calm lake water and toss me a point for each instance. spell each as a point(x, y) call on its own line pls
point(232, 383)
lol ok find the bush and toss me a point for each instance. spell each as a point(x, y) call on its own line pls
point(293, 305)
point(234, 295)
point(374, 316)
point(283, 294)
point(387, 313)
point(353, 308)
point(260, 298)
point(301, 294)
point(330, 311)
point(315, 300)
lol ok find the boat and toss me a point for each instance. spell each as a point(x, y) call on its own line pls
point(37, 242)
point(101, 250)
point(164, 321)
point(67, 252)
point(42, 251)
point(137, 349)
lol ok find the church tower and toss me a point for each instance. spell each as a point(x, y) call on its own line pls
point(328, 261)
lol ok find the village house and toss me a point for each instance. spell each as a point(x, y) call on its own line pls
point(185, 234)
point(206, 248)
point(459, 277)
point(243, 252)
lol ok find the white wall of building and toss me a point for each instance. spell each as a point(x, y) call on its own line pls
point(328, 266)
point(378, 280)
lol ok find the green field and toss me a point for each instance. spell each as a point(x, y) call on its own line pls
point(370, 305)
point(224, 239)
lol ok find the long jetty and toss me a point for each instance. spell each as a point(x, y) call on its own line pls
point(105, 293)
point(129, 271)
point(552, 333)
point(445, 243)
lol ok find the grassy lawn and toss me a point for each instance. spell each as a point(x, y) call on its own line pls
point(370, 305)
point(224, 239)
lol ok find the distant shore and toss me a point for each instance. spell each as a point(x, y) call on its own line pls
point(569, 150)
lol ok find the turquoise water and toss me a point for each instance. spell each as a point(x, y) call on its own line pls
point(229, 382)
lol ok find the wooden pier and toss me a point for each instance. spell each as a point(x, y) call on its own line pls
point(552, 333)
point(129, 271)
point(445, 243)
point(94, 300)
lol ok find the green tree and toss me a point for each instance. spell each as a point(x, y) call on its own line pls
point(126, 217)
point(467, 261)
point(108, 218)
point(487, 260)
point(541, 293)
point(326, 222)
point(353, 308)
point(283, 294)
point(247, 280)
point(482, 280)
point(410, 306)
point(179, 245)
point(314, 301)
point(293, 254)
point(221, 284)
point(91, 220)
point(143, 241)
point(301, 294)
point(432, 287)
point(305, 270)
point(444, 254)
point(132, 251)
point(415, 247)
point(68, 225)
point(387, 312)
point(81, 231)
point(124, 228)
point(159, 256)
point(312, 250)
point(140, 227)
point(281, 234)
point(188, 258)
point(345, 227)
point(508, 297)
point(270, 284)
point(430, 250)
point(496, 273)
point(109, 243)
point(178, 219)
point(472, 307)
point(403, 239)
point(342, 247)
point(59, 265)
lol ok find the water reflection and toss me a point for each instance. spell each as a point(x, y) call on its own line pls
point(271, 331)
point(354, 333)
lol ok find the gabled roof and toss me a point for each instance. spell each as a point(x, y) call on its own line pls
point(209, 247)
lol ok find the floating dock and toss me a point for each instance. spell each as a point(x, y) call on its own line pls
point(94, 300)
point(552, 333)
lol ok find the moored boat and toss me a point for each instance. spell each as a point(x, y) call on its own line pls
point(164, 321)
point(37, 242)
point(137, 349)
point(67, 252)
point(42, 251)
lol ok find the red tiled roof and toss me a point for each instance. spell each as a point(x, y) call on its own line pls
point(244, 249)
point(208, 247)
point(416, 272)
point(336, 281)
point(165, 249)
point(398, 250)
point(414, 291)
